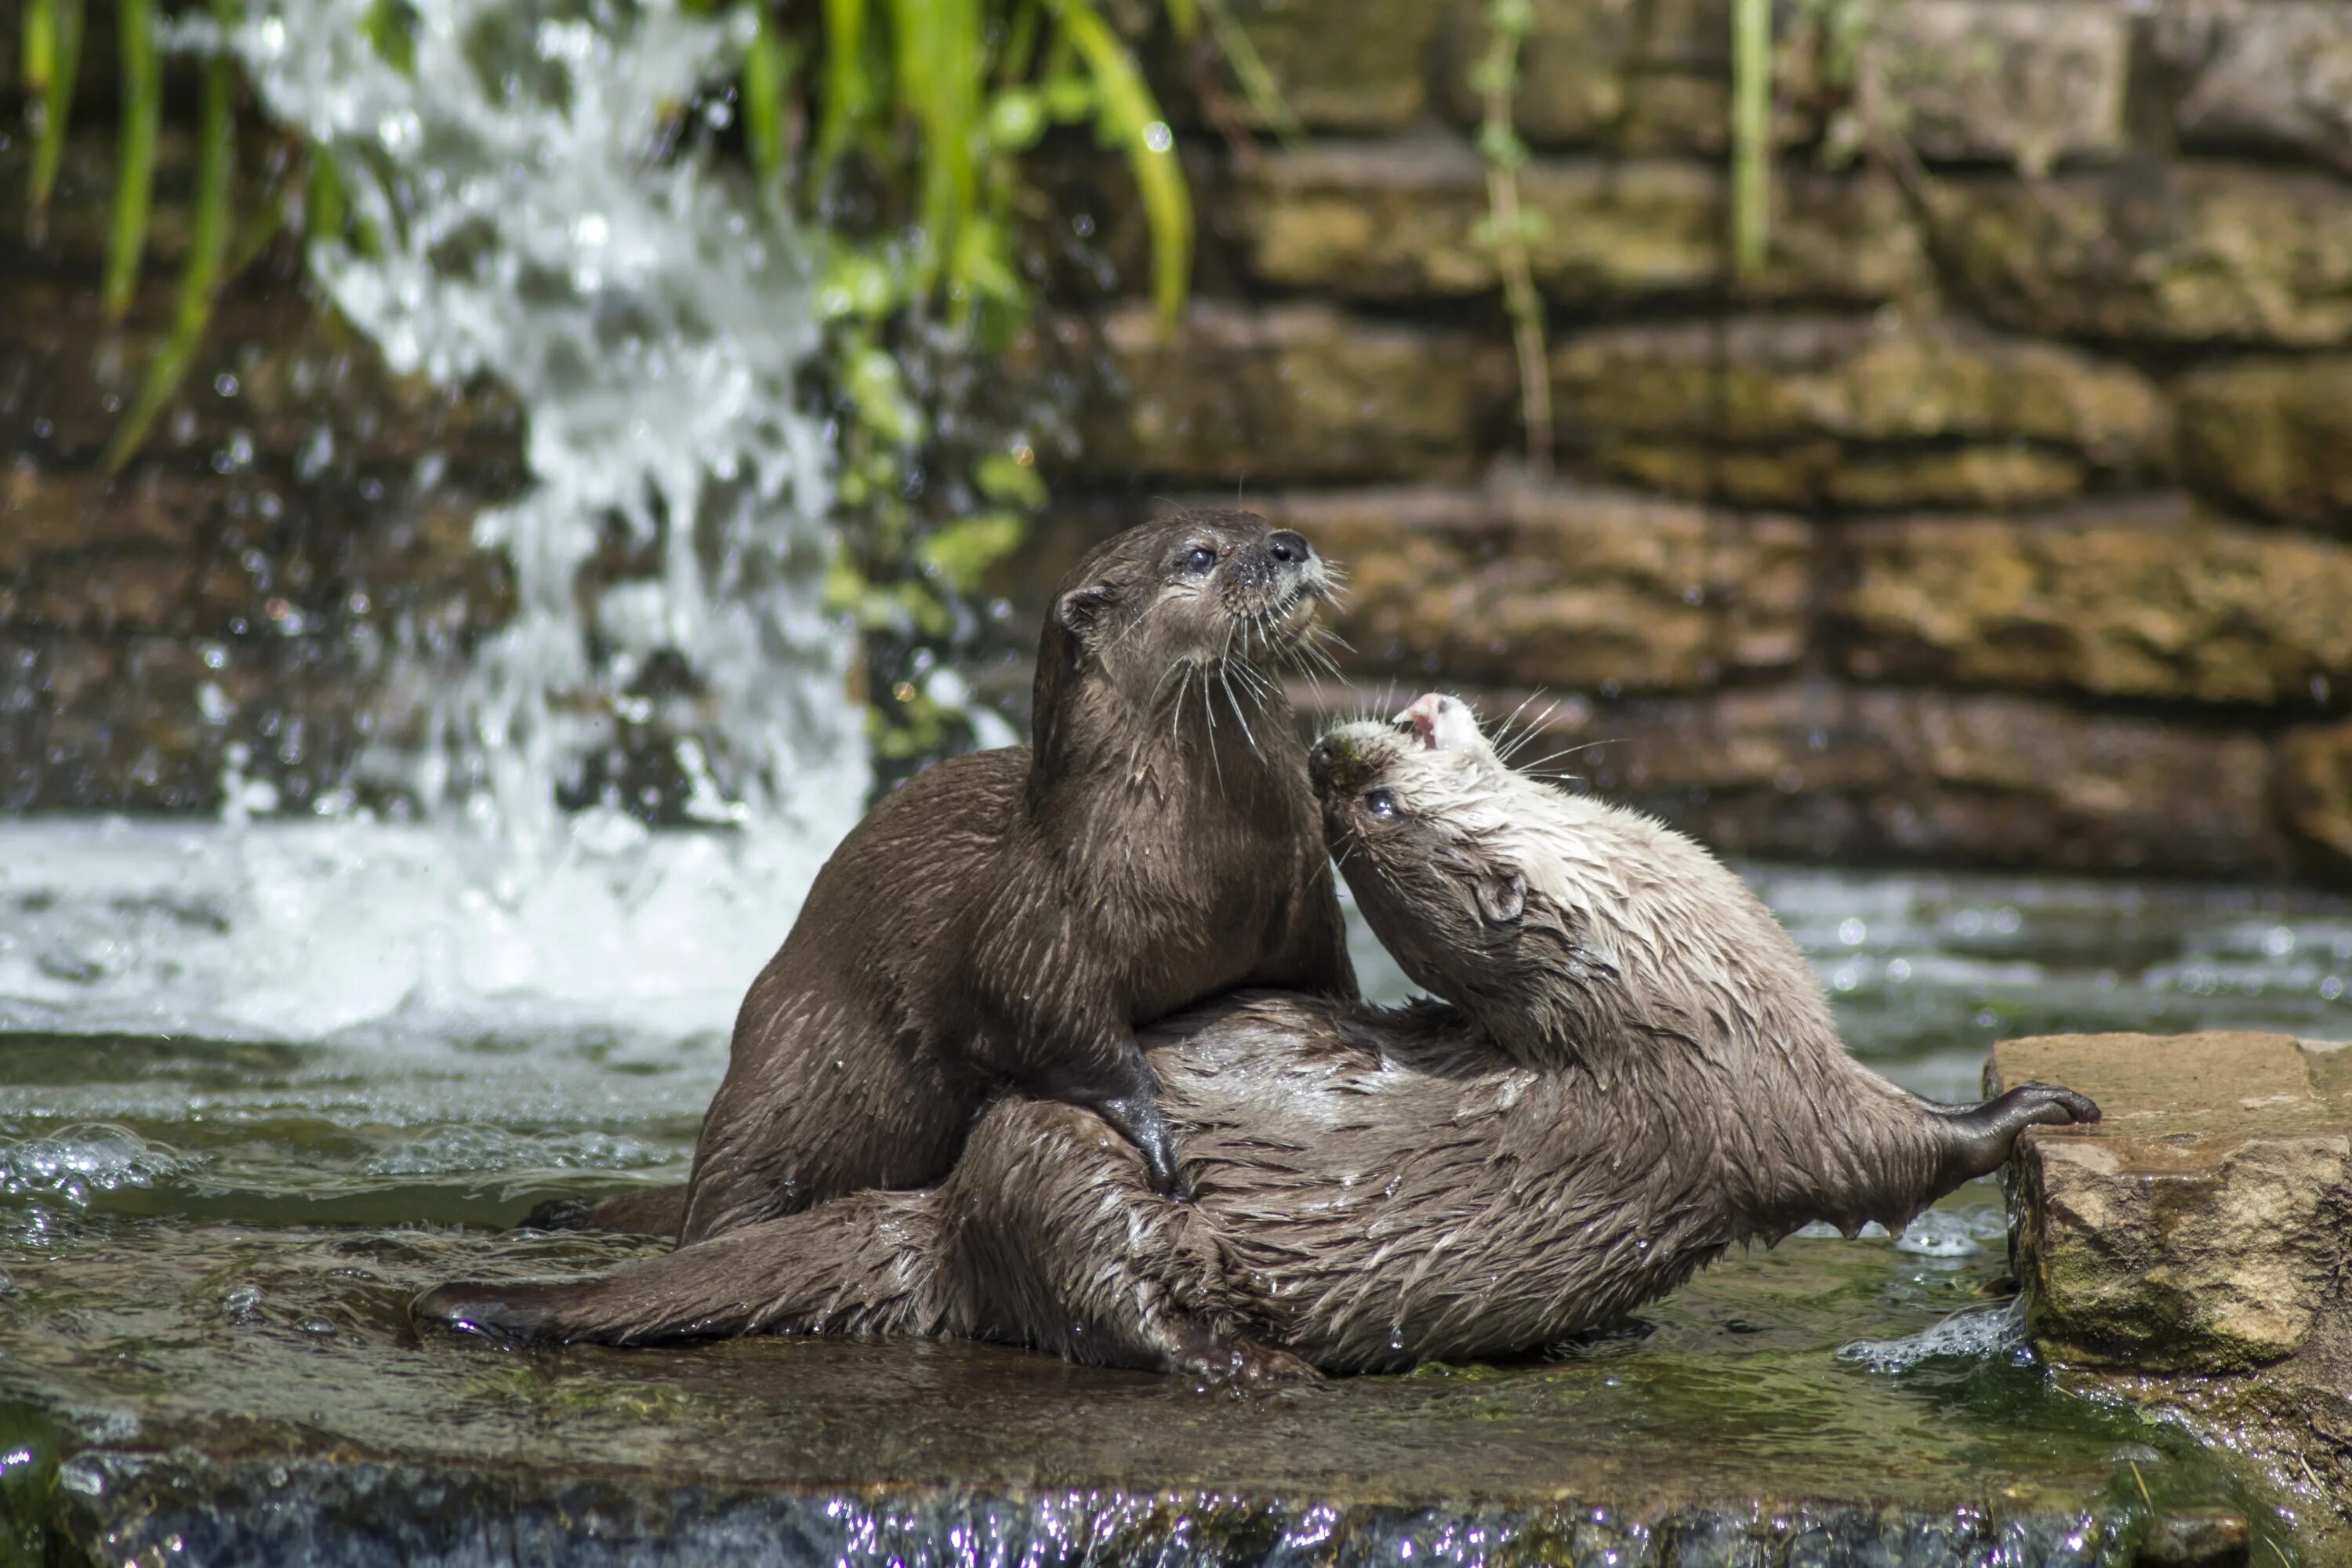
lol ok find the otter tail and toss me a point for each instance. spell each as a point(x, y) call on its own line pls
point(862, 1264)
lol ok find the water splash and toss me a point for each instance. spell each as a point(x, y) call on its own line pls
point(546, 216)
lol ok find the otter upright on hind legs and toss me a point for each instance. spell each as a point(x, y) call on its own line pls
point(1637, 1072)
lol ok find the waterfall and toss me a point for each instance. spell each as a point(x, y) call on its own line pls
point(655, 323)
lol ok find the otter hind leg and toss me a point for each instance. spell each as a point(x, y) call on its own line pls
point(866, 1263)
point(1059, 1242)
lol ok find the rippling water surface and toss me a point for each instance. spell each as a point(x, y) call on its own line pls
point(251, 1078)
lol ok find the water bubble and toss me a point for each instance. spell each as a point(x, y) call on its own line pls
point(1158, 137)
point(1852, 932)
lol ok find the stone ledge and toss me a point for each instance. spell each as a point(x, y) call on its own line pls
point(2199, 251)
point(2187, 1254)
point(2270, 435)
point(1560, 586)
point(1399, 220)
point(2144, 600)
point(1853, 411)
point(2203, 1225)
point(1289, 393)
point(2260, 76)
point(2314, 788)
point(1819, 770)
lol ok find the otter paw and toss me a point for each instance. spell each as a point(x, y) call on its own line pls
point(2054, 1105)
point(1244, 1364)
point(496, 1311)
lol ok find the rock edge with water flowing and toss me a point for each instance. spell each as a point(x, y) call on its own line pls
point(2192, 1252)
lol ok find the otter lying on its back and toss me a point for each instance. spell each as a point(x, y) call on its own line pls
point(1640, 1073)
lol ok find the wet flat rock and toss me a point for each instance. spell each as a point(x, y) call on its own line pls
point(2200, 1227)
point(236, 1393)
point(2190, 1253)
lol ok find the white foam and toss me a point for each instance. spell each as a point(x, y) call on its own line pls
point(309, 930)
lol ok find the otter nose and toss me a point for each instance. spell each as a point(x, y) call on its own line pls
point(1289, 548)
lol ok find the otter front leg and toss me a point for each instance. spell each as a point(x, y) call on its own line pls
point(1977, 1142)
point(1117, 1083)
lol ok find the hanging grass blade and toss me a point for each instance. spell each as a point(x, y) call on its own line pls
point(63, 20)
point(216, 167)
point(1129, 118)
point(134, 178)
point(848, 97)
point(767, 73)
point(1751, 134)
point(1259, 90)
point(40, 46)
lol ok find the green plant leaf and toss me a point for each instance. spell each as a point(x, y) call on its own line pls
point(1010, 479)
point(767, 75)
point(1126, 117)
point(962, 551)
point(56, 109)
point(1751, 134)
point(849, 95)
point(135, 170)
point(40, 45)
point(208, 249)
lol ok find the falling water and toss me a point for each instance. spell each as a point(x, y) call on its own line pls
point(546, 216)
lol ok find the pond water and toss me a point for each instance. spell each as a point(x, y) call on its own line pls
point(257, 1088)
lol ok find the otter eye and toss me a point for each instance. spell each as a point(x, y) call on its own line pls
point(1383, 805)
point(1200, 558)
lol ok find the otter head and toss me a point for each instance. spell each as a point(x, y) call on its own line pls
point(1221, 593)
point(1418, 812)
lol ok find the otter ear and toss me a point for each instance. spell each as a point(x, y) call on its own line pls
point(1083, 611)
point(1502, 895)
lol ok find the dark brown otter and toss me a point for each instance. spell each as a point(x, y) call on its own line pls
point(1005, 919)
point(1642, 1072)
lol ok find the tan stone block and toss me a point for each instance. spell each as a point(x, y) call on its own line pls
point(2139, 601)
point(1631, 75)
point(2263, 75)
point(2201, 1226)
point(2199, 251)
point(1789, 410)
point(1401, 220)
point(1290, 393)
point(2315, 785)
point(1341, 64)
point(1816, 769)
point(2273, 436)
point(1559, 585)
point(2023, 84)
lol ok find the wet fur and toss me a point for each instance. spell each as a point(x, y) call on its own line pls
point(1640, 1072)
point(1004, 921)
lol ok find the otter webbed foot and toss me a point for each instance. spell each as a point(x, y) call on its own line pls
point(1980, 1139)
point(496, 1311)
point(1214, 1360)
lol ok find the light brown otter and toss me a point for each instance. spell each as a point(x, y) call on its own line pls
point(1005, 919)
point(1641, 1073)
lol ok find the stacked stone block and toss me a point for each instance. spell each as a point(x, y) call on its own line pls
point(2004, 517)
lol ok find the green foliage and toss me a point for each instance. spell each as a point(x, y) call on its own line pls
point(53, 33)
point(135, 167)
point(1509, 227)
point(209, 251)
point(1751, 134)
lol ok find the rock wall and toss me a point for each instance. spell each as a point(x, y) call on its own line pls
point(2005, 517)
